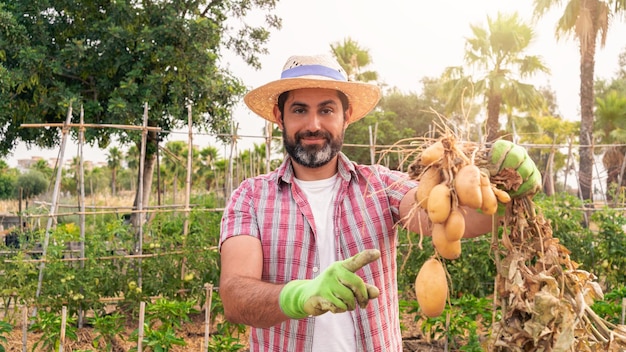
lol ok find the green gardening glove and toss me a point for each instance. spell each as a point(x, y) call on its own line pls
point(505, 154)
point(335, 289)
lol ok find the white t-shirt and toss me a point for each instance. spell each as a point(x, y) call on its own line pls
point(333, 332)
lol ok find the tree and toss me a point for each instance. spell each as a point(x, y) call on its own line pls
point(114, 162)
point(8, 178)
point(114, 58)
point(207, 171)
point(497, 53)
point(587, 21)
point(32, 184)
point(610, 127)
point(43, 167)
point(353, 58)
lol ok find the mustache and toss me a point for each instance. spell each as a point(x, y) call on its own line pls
point(316, 134)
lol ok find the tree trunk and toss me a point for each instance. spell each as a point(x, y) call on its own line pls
point(493, 114)
point(587, 63)
point(113, 182)
point(148, 173)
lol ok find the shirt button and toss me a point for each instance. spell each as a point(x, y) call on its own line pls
point(315, 269)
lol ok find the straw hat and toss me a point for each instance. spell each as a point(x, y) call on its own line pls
point(319, 71)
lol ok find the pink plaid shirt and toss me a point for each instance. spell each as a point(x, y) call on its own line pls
point(273, 209)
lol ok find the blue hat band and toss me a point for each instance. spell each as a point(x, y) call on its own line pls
point(317, 70)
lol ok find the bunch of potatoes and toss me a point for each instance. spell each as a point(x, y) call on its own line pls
point(449, 184)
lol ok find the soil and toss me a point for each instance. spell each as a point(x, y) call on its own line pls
point(193, 334)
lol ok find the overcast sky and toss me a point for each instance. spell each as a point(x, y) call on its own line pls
point(407, 40)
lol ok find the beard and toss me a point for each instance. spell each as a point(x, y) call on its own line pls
point(312, 156)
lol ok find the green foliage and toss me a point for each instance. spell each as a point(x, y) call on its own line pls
point(461, 322)
point(7, 185)
point(158, 340)
point(170, 314)
point(164, 317)
point(472, 273)
point(117, 56)
point(4, 329)
point(566, 219)
point(610, 243)
point(496, 55)
point(224, 341)
point(106, 327)
point(601, 252)
point(610, 308)
point(31, 183)
point(49, 324)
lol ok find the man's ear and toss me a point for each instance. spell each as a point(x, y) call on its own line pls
point(347, 116)
point(278, 117)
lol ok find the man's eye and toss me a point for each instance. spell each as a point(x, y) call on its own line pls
point(298, 110)
point(327, 111)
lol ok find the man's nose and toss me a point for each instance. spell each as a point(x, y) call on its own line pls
point(314, 122)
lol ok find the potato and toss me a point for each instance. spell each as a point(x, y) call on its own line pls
point(502, 196)
point(467, 186)
point(439, 204)
point(429, 179)
point(490, 202)
point(455, 226)
point(431, 288)
point(448, 249)
point(432, 154)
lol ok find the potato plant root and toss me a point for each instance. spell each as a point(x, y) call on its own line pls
point(544, 296)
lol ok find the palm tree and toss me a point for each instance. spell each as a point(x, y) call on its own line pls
point(43, 167)
point(114, 162)
point(175, 153)
point(496, 53)
point(611, 128)
point(207, 172)
point(353, 59)
point(587, 21)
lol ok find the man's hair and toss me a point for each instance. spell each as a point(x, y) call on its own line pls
point(282, 98)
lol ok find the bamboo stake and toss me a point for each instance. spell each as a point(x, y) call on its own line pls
point(595, 167)
point(229, 187)
point(53, 209)
point(81, 203)
point(24, 328)
point(187, 194)
point(92, 125)
point(63, 324)
point(620, 177)
point(111, 257)
point(144, 137)
point(207, 315)
point(623, 310)
point(569, 160)
point(142, 313)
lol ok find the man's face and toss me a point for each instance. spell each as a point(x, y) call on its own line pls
point(313, 126)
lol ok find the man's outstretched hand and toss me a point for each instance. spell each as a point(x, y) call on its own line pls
point(336, 289)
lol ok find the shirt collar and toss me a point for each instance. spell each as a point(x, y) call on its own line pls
point(346, 169)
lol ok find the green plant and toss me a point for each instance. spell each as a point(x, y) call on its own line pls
point(170, 314)
point(610, 265)
point(158, 340)
point(163, 318)
point(49, 324)
point(461, 322)
point(106, 327)
point(610, 308)
point(4, 328)
point(224, 339)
